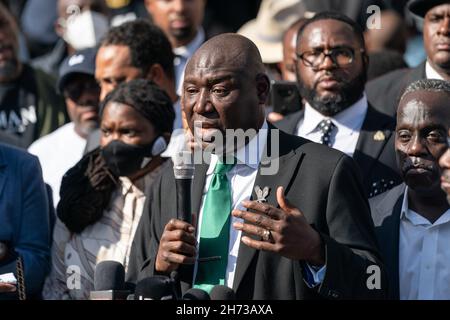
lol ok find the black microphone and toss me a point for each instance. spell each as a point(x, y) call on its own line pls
point(196, 294)
point(155, 288)
point(183, 170)
point(109, 282)
point(221, 292)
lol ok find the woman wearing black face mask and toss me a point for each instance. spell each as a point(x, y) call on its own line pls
point(103, 196)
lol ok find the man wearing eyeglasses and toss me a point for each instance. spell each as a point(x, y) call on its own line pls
point(61, 149)
point(331, 70)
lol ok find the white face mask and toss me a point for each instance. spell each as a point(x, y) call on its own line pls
point(84, 30)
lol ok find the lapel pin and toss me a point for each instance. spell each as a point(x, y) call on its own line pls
point(261, 194)
point(379, 136)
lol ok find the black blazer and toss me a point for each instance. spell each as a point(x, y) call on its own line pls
point(374, 153)
point(386, 209)
point(385, 92)
point(324, 184)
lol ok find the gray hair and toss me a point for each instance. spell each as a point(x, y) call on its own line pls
point(429, 85)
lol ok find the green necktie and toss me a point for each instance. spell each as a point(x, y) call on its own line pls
point(215, 232)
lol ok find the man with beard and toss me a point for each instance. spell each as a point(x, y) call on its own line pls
point(331, 72)
point(181, 21)
point(385, 91)
point(412, 221)
point(61, 149)
point(29, 106)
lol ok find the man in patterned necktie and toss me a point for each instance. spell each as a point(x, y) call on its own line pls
point(331, 70)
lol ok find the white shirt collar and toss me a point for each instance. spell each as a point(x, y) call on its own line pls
point(250, 154)
point(188, 50)
point(416, 219)
point(350, 119)
point(431, 73)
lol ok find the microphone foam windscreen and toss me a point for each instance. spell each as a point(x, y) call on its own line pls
point(220, 292)
point(196, 294)
point(109, 275)
point(154, 288)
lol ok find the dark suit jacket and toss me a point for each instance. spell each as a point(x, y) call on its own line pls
point(375, 157)
point(324, 184)
point(24, 216)
point(385, 92)
point(386, 209)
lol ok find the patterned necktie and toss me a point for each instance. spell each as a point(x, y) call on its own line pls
point(326, 127)
point(215, 231)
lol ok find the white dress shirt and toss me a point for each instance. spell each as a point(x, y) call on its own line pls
point(182, 55)
point(348, 126)
point(242, 178)
point(431, 73)
point(58, 152)
point(424, 256)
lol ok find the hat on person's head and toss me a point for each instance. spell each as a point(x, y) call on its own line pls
point(266, 31)
point(81, 62)
point(420, 8)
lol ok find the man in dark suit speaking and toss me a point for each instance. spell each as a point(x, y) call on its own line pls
point(331, 70)
point(302, 231)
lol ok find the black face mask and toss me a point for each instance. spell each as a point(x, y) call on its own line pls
point(124, 159)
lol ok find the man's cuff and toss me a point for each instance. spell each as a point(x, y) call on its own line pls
point(312, 275)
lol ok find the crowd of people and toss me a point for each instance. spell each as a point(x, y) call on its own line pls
point(323, 129)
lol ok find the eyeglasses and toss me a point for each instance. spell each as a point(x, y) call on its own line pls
point(342, 56)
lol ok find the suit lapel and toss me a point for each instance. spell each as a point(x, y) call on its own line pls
point(394, 249)
point(197, 186)
point(289, 161)
point(417, 73)
point(389, 237)
point(375, 133)
point(387, 227)
point(290, 122)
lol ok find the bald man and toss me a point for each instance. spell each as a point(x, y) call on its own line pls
point(275, 216)
point(413, 220)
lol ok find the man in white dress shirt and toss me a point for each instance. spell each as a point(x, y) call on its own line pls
point(413, 220)
point(181, 21)
point(61, 149)
point(331, 68)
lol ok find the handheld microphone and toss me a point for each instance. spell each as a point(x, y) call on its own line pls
point(183, 170)
point(109, 282)
point(155, 288)
point(221, 292)
point(196, 294)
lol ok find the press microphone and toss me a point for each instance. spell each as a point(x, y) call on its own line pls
point(183, 170)
point(196, 294)
point(221, 292)
point(109, 282)
point(155, 288)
